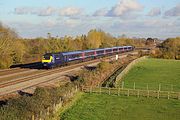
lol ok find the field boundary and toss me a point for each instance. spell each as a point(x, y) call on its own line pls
point(133, 92)
point(126, 70)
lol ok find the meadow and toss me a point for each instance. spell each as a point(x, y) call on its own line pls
point(112, 107)
point(153, 73)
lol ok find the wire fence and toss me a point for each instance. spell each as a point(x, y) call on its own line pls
point(150, 86)
point(133, 92)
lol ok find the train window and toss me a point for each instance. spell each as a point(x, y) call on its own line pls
point(100, 52)
point(121, 49)
point(115, 50)
point(57, 57)
point(75, 56)
point(47, 56)
point(108, 50)
point(89, 53)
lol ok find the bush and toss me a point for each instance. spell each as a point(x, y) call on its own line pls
point(24, 107)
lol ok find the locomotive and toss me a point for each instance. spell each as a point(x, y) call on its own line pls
point(51, 60)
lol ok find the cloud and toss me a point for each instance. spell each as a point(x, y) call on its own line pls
point(124, 7)
point(175, 11)
point(70, 11)
point(23, 10)
point(154, 12)
point(48, 11)
point(101, 12)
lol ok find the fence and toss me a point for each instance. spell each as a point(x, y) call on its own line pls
point(43, 115)
point(150, 86)
point(133, 92)
point(126, 70)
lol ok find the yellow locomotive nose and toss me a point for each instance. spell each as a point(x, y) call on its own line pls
point(44, 60)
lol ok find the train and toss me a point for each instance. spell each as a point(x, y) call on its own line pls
point(52, 60)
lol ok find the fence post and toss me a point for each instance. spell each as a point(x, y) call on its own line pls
point(134, 85)
point(138, 93)
point(100, 90)
point(128, 93)
point(147, 87)
point(118, 91)
point(122, 84)
point(168, 95)
point(159, 87)
point(33, 117)
point(148, 94)
point(158, 94)
point(109, 91)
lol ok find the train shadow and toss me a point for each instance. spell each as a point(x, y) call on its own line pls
point(22, 93)
point(72, 77)
point(90, 68)
point(35, 65)
point(3, 102)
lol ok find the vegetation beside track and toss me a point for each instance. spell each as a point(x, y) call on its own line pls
point(109, 107)
point(41, 104)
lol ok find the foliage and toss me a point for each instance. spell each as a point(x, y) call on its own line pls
point(16, 50)
point(97, 76)
point(169, 49)
point(24, 107)
point(108, 107)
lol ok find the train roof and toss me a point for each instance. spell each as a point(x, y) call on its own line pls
point(82, 51)
point(73, 52)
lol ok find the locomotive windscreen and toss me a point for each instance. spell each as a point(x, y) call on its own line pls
point(47, 56)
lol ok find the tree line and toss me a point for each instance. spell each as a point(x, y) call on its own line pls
point(17, 50)
point(168, 49)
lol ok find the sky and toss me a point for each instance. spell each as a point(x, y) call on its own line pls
point(134, 18)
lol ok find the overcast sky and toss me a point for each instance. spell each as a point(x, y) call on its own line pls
point(135, 18)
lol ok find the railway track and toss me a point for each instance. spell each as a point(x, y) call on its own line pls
point(18, 81)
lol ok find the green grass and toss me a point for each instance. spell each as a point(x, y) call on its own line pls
point(105, 107)
point(154, 72)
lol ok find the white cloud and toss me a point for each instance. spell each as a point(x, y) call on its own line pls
point(101, 12)
point(70, 11)
point(124, 7)
point(48, 11)
point(175, 11)
point(22, 10)
point(154, 12)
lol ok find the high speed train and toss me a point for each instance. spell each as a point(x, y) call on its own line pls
point(51, 60)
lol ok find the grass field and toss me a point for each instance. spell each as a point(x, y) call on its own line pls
point(108, 107)
point(111, 107)
point(154, 72)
